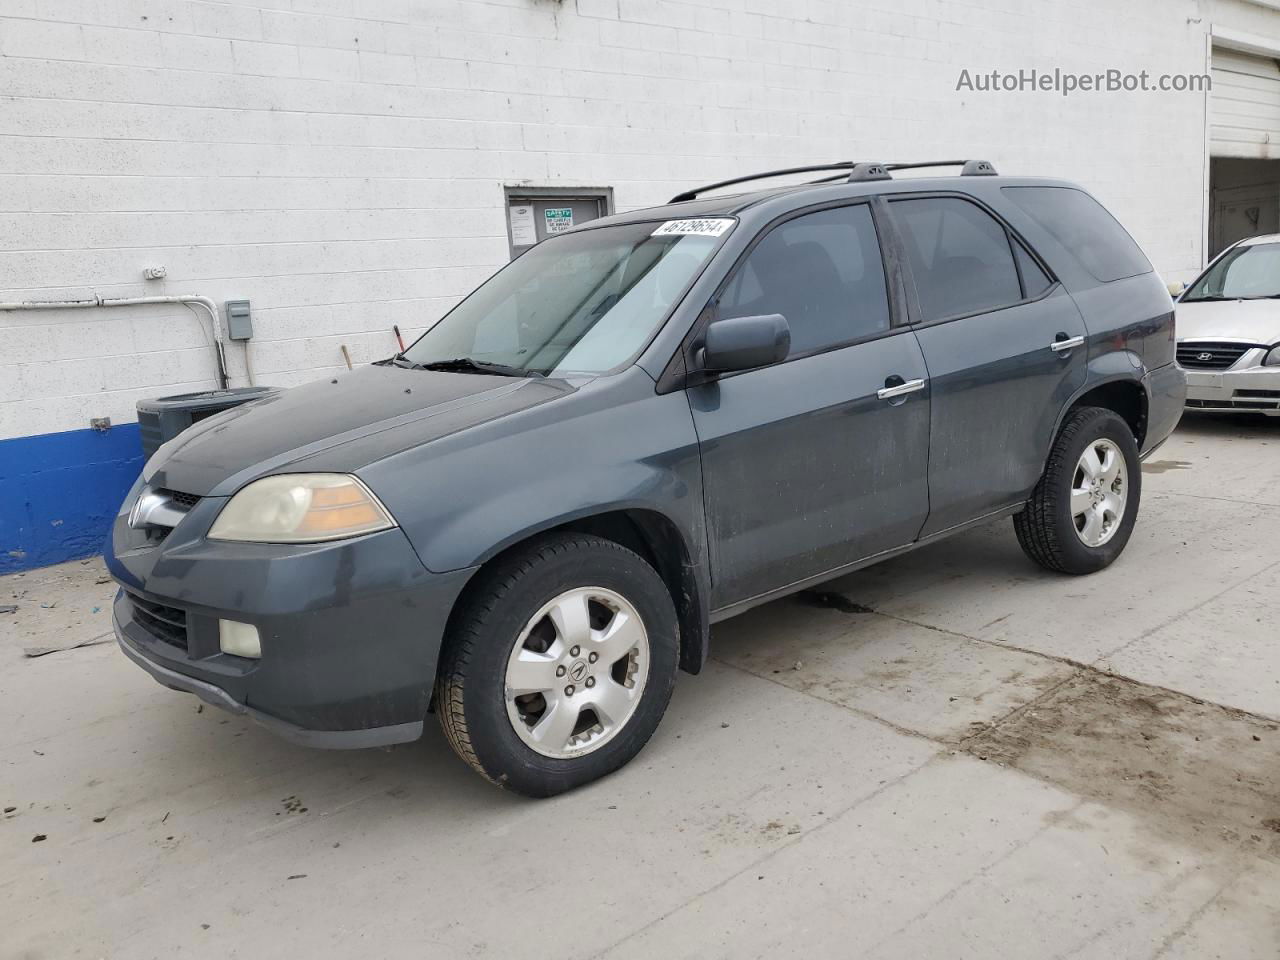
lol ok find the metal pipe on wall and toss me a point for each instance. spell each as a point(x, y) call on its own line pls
point(185, 299)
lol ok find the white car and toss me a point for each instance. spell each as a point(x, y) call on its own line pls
point(1228, 328)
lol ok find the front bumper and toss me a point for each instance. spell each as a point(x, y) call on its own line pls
point(1249, 389)
point(351, 630)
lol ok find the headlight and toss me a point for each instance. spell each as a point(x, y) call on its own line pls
point(1273, 358)
point(301, 508)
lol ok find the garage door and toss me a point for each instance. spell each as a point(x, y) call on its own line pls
point(1244, 108)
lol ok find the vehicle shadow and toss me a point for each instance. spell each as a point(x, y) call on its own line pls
point(1227, 425)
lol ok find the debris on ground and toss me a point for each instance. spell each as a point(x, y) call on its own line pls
point(9, 608)
point(295, 876)
point(39, 837)
point(45, 651)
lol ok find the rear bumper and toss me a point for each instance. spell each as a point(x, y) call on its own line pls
point(1166, 393)
point(1250, 390)
point(350, 630)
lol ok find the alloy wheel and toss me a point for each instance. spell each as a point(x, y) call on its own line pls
point(1099, 490)
point(577, 672)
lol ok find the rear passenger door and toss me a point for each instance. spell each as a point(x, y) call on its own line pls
point(1005, 348)
point(810, 464)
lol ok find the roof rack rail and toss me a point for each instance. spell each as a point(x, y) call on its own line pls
point(858, 173)
point(693, 194)
point(968, 168)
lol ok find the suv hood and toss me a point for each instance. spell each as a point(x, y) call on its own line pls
point(1257, 321)
point(338, 424)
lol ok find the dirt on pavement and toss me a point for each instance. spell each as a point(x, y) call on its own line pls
point(1193, 770)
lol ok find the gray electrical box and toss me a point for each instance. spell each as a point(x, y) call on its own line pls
point(239, 322)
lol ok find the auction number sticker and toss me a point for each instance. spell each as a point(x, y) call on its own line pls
point(705, 227)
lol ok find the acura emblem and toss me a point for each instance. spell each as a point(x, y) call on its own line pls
point(1204, 357)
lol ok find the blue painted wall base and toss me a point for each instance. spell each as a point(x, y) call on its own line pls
point(60, 491)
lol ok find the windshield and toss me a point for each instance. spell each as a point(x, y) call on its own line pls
point(1246, 273)
point(581, 303)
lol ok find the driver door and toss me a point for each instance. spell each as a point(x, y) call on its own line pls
point(820, 460)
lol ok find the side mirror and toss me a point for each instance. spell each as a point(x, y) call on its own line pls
point(741, 343)
point(1177, 289)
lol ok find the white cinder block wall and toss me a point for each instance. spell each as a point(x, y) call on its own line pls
point(341, 163)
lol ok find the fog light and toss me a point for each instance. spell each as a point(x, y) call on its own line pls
point(239, 639)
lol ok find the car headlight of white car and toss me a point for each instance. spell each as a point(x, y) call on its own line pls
point(301, 508)
point(1273, 358)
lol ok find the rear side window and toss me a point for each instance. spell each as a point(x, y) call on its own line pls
point(960, 256)
point(1034, 280)
point(823, 272)
point(1082, 225)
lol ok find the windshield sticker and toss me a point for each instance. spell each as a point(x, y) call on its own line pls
point(706, 227)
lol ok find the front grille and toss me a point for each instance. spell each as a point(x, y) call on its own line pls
point(1236, 403)
point(186, 500)
point(1210, 356)
point(1256, 394)
point(164, 623)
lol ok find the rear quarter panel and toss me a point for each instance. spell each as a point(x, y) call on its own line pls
point(1130, 324)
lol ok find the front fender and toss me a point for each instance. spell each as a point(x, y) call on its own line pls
point(615, 444)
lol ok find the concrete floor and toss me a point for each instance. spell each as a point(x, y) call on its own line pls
point(951, 754)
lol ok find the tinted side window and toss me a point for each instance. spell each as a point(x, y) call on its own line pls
point(1083, 226)
point(1034, 280)
point(960, 256)
point(821, 271)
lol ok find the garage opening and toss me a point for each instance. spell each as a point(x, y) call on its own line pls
point(535, 213)
point(1244, 147)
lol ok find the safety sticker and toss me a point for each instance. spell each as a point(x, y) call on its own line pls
point(558, 219)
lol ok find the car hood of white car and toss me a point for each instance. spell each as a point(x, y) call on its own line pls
point(1255, 321)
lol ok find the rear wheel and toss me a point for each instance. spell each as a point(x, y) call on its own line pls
point(560, 665)
point(1082, 511)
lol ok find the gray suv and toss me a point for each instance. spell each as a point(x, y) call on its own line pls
point(528, 521)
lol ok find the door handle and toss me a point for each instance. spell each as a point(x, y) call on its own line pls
point(900, 389)
point(1064, 343)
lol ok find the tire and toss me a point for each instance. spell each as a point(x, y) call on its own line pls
point(488, 635)
point(1049, 530)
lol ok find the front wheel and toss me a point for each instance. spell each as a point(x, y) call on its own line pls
point(560, 664)
point(1082, 511)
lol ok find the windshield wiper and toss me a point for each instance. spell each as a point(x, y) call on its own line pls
point(466, 365)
